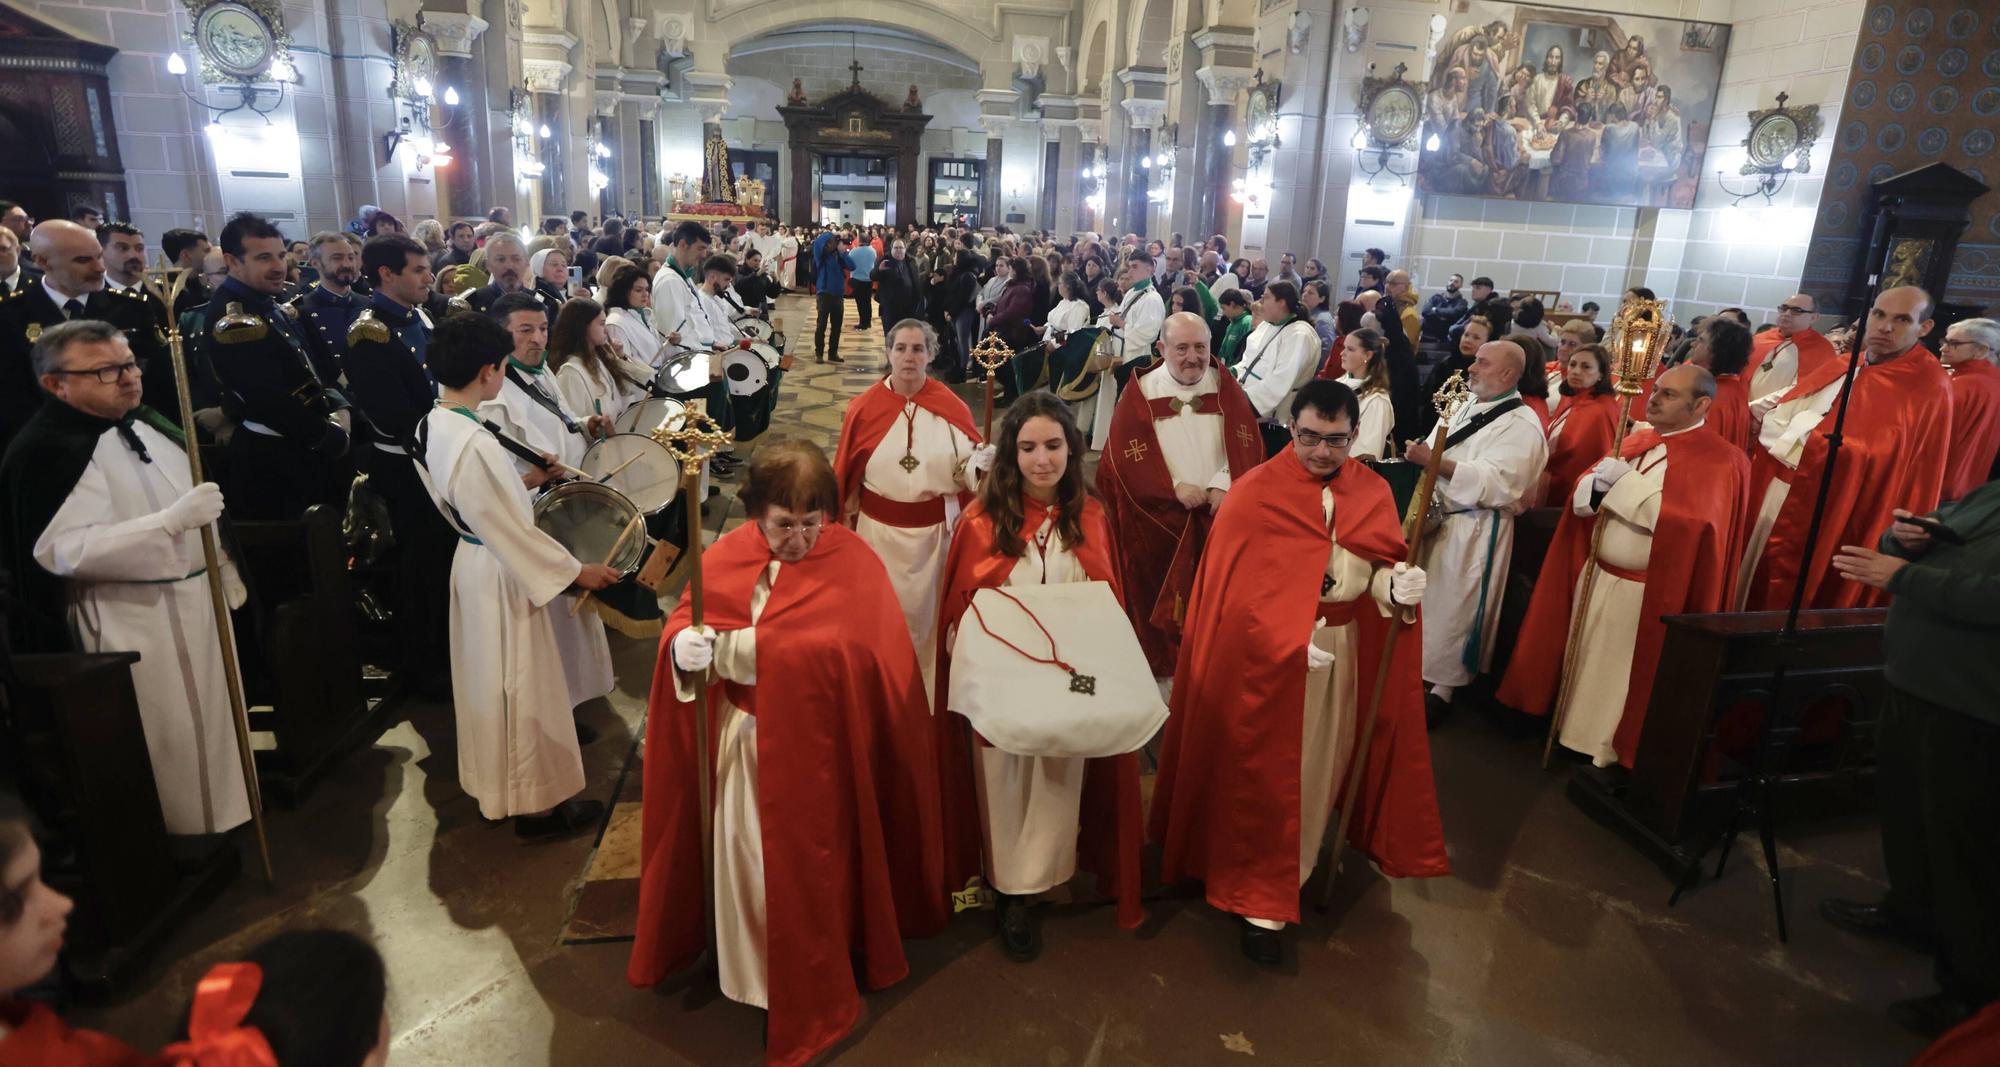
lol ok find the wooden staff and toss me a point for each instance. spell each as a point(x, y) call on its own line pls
point(1635, 332)
point(232, 672)
point(1450, 397)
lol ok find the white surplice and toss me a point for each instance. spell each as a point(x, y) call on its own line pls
point(1068, 316)
point(1783, 434)
point(1498, 470)
point(1276, 361)
point(601, 391)
point(915, 555)
point(586, 655)
point(1610, 629)
point(1378, 420)
point(1191, 441)
point(632, 328)
point(135, 588)
point(1778, 371)
point(517, 747)
point(1030, 806)
point(678, 309)
point(741, 926)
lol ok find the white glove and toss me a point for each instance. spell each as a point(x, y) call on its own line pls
point(1317, 658)
point(1407, 584)
point(1606, 474)
point(694, 649)
point(233, 589)
point(981, 460)
point(196, 507)
point(345, 420)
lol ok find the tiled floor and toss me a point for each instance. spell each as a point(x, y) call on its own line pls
point(1551, 944)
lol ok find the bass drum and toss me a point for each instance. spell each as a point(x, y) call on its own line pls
point(591, 520)
point(753, 327)
point(746, 371)
point(637, 466)
point(649, 414)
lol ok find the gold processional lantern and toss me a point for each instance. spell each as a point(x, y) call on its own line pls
point(1638, 341)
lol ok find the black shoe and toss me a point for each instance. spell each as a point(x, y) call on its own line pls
point(1019, 935)
point(1436, 710)
point(1264, 947)
point(1866, 919)
point(586, 734)
point(1930, 1016)
point(835, 359)
point(568, 817)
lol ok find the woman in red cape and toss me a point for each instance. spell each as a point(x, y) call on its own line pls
point(1697, 544)
point(1226, 804)
point(1584, 423)
point(1109, 836)
point(846, 787)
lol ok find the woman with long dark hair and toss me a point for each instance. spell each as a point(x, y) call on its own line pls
point(1363, 359)
point(628, 313)
point(1281, 354)
point(1029, 817)
point(593, 377)
point(1584, 422)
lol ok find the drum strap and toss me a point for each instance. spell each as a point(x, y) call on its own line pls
point(419, 447)
point(1480, 422)
point(545, 400)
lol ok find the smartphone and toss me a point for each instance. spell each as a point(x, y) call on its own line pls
point(1938, 531)
point(576, 275)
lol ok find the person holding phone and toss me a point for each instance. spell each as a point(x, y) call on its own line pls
point(1936, 745)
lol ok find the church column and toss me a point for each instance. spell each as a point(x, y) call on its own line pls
point(548, 115)
point(1228, 58)
point(1308, 174)
point(1091, 199)
point(1059, 196)
point(1145, 103)
point(465, 124)
point(605, 148)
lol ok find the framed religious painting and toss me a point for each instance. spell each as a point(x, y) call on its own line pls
point(416, 63)
point(1391, 109)
point(238, 40)
point(1558, 104)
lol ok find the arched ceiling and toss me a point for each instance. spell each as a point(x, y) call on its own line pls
point(859, 37)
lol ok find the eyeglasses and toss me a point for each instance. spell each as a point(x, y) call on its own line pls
point(110, 372)
point(787, 527)
point(1314, 440)
point(1953, 342)
point(1788, 309)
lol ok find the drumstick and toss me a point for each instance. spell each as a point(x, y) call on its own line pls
point(613, 472)
point(623, 535)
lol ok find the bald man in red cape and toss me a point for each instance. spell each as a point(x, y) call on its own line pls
point(1704, 497)
point(1227, 802)
point(1108, 841)
point(1975, 413)
point(1892, 456)
point(1200, 420)
point(844, 786)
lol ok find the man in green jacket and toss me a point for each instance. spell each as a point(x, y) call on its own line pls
point(1235, 304)
point(1937, 751)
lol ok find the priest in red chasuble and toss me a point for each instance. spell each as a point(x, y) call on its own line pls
point(1177, 443)
point(1292, 605)
point(1892, 456)
point(825, 800)
point(1675, 484)
point(908, 461)
point(1969, 350)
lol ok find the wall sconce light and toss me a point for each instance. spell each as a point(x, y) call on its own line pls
point(1357, 27)
point(544, 132)
point(1229, 138)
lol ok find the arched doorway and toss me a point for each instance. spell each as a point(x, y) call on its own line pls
point(856, 134)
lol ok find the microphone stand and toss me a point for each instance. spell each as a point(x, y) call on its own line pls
point(1756, 792)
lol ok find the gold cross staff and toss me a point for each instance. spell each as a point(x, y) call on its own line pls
point(991, 353)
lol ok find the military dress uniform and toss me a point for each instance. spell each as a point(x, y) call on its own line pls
point(324, 319)
point(289, 452)
point(386, 346)
point(29, 310)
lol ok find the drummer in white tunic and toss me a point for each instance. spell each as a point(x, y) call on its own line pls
point(908, 462)
point(1281, 354)
point(529, 408)
point(628, 311)
point(518, 754)
point(1492, 463)
point(102, 527)
point(591, 375)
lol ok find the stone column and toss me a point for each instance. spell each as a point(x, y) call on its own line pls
point(1228, 64)
point(1145, 103)
point(1309, 173)
point(606, 131)
point(1069, 172)
point(545, 79)
point(996, 117)
point(464, 129)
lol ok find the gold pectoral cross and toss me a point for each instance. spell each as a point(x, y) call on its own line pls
point(909, 462)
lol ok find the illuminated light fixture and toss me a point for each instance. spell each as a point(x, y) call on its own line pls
point(1360, 139)
point(450, 96)
point(600, 150)
point(281, 70)
point(424, 87)
point(1145, 162)
point(176, 65)
point(521, 125)
point(1229, 138)
point(1432, 143)
point(544, 132)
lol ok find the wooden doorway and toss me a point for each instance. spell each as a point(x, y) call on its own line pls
point(855, 123)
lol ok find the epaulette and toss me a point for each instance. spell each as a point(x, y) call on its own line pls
point(368, 328)
point(237, 327)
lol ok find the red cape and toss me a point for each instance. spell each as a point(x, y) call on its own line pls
point(36, 1037)
point(872, 415)
point(1109, 843)
point(1226, 802)
point(1729, 414)
point(846, 787)
point(1815, 352)
point(1972, 1043)
point(1975, 427)
point(1586, 438)
point(1898, 427)
point(1704, 510)
point(1160, 541)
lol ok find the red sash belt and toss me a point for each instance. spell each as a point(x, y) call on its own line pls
point(1338, 612)
point(909, 514)
point(1166, 407)
point(1626, 573)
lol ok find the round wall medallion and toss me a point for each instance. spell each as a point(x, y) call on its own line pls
point(1882, 19)
point(235, 39)
point(1879, 172)
point(1910, 60)
point(1919, 22)
point(1952, 62)
point(1869, 59)
point(1961, 24)
point(1977, 143)
point(1863, 95)
point(1932, 140)
point(1987, 102)
point(1889, 138)
point(1835, 215)
point(1991, 65)
point(1844, 175)
point(1942, 100)
point(1854, 135)
point(1901, 97)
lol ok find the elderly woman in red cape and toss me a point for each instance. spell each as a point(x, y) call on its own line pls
point(1033, 819)
point(1284, 636)
point(826, 824)
point(1584, 422)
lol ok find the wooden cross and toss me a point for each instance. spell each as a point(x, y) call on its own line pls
point(856, 68)
point(1135, 450)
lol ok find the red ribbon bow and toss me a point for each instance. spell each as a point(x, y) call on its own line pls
point(216, 1034)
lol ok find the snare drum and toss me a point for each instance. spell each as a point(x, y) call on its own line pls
point(753, 327)
point(647, 415)
point(647, 474)
point(589, 519)
point(746, 370)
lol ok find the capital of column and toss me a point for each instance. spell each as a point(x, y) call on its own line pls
point(607, 102)
point(997, 101)
point(551, 42)
point(455, 32)
point(1224, 84)
point(1144, 114)
point(708, 92)
point(544, 75)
